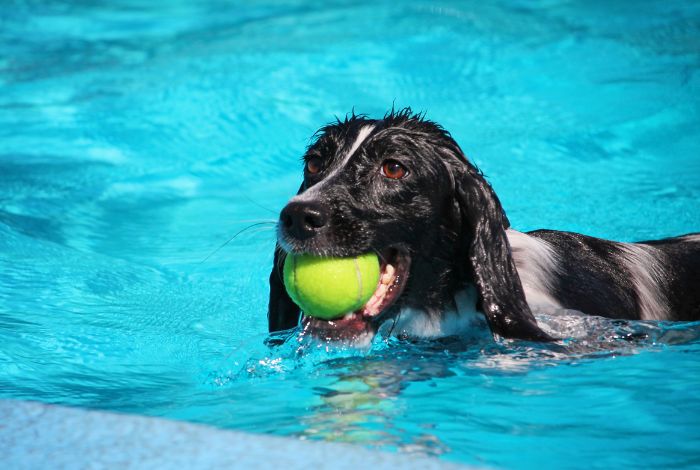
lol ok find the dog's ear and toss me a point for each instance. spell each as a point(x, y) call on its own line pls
point(490, 259)
point(282, 312)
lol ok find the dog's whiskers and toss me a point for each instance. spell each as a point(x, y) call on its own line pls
point(261, 221)
point(258, 204)
point(258, 224)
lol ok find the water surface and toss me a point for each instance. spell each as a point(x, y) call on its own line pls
point(136, 138)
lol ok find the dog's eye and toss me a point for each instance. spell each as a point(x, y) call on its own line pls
point(313, 165)
point(393, 169)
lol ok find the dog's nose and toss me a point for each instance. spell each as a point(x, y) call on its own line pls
point(303, 219)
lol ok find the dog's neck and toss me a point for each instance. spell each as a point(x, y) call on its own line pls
point(461, 319)
point(535, 263)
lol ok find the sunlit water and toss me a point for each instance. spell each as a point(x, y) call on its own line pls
point(135, 139)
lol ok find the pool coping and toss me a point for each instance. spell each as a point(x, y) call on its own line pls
point(38, 435)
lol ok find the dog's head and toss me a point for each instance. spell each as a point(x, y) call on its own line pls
point(401, 187)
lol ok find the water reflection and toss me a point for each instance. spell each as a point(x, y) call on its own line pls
point(362, 398)
point(375, 397)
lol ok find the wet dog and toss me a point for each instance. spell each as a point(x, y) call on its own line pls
point(401, 187)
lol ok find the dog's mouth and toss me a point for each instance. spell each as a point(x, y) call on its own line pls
point(394, 270)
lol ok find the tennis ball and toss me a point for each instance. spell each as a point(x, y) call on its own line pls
point(328, 288)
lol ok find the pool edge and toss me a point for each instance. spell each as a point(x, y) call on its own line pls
point(38, 435)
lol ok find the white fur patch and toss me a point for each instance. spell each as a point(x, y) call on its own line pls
point(315, 189)
point(361, 136)
point(537, 266)
point(465, 319)
point(646, 270)
point(695, 238)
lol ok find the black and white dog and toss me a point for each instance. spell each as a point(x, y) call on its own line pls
point(401, 187)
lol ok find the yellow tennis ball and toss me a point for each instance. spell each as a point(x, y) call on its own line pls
point(329, 288)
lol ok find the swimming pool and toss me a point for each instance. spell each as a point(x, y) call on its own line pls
point(137, 139)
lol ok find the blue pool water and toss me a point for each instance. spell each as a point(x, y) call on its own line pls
point(137, 137)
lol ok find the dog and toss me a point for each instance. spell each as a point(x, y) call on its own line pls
point(401, 187)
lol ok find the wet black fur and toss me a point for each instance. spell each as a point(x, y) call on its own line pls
point(594, 281)
point(448, 218)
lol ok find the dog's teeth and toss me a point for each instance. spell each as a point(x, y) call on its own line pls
point(349, 316)
point(385, 284)
point(372, 307)
point(388, 274)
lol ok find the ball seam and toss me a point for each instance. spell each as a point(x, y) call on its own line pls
point(358, 302)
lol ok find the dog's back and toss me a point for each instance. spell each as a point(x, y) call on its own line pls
point(683, 284)
point(649, 280)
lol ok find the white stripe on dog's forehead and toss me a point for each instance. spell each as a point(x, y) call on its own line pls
point(362, 135)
